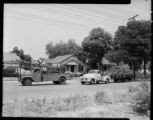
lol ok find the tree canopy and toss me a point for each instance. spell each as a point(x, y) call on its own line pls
point(61, 48)
point(132, 43)
point(95, 45)
point(21, 54)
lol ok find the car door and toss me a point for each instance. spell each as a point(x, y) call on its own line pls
point(37, 75)
point(98, 76)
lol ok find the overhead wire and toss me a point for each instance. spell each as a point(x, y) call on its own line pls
point(74, 17)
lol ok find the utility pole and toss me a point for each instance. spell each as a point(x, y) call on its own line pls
point(133, 18)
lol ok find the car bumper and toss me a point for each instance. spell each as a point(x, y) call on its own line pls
point(85, 80)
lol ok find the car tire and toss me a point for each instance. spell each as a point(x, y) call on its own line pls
point(130, 79)
point(107, 80)
point(97, 82)
point(92, 81)
point(82, 83)
point(115, 80)
point(56, 82)
point(27, 82)
point(62, 80)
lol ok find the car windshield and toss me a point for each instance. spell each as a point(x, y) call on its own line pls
point(93, 71)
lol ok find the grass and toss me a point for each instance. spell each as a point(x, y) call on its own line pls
point(38, 107)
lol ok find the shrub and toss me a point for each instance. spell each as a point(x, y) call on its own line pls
point(101, 97)
point(140, 98)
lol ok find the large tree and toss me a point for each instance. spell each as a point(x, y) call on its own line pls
point(61, 48)
point(95, 45)
point(134, 42)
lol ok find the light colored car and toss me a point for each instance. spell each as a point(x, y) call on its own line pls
point(93, 77)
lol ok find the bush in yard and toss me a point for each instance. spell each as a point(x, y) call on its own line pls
point(101, 97)
point(140, 98)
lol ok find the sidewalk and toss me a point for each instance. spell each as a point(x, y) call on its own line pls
point(10, 78)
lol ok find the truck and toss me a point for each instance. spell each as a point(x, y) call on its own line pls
point(39, 75)
point(42, 74)
point(94, 76)
point(119, 73)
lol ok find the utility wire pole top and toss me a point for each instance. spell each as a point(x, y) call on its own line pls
point(133, 18)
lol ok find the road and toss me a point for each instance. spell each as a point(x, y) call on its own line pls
point(14, 90)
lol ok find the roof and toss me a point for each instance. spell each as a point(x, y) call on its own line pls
point(10, 57)
point(107, 62)
point(59, 59)
point(34, 61)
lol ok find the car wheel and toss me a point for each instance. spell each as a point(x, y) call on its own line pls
point(27, 82)
point(107, 80)
point(56, 82)
point(115, 80)
point(62, 80)
point(97, 82)
point(92, 81)
point(82, 83)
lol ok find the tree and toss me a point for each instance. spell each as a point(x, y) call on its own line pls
point(21, 54)
point(50, 50)
point(27, 58)
point(61, 48)
point(134, 42)
point(16, 50)
point(95, 45)
point(80, 54)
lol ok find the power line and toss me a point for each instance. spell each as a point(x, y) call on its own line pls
point(44, 18)
point(86, 13)
point(46, 21)
point(81, 17)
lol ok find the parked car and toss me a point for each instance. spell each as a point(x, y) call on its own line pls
point(94, 76)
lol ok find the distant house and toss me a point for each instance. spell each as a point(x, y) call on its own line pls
point(107, 64)
point(71, 63)
point(10, 60)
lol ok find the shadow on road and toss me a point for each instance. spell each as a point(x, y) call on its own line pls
point(47, 84)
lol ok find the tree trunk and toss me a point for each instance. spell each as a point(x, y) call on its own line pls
point(134, 75)
point(144, 67)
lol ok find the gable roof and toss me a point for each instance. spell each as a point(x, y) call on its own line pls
point(10, 57)
point(107, 62)
point(59, 59)
point(34, 62)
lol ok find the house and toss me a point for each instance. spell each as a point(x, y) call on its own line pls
point(107, 64)
point(10, 60)
point(70, 62)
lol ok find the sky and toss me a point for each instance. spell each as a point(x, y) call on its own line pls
point(31, 26)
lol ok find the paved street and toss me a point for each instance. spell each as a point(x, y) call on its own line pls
point(14, 90)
